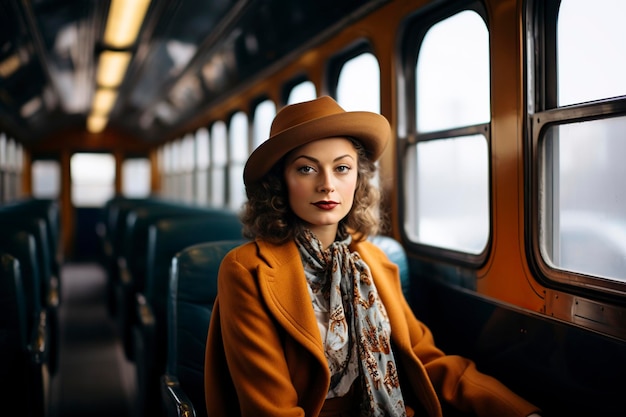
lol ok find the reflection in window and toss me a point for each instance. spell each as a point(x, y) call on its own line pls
point(46, 179)
point(453, 74)
point(238, 142)
point(136, 177)
point(218, 163)
point(358, 86)
point(447, 182)
point(450, 189)
point(588, 213)
point(93, 179)
point(304, 91)
point(591, 50)
point(262, 121)
point(202, 166)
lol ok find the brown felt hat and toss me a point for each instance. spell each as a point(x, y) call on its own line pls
point(301, 123)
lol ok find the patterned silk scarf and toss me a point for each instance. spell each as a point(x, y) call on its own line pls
point(357, 340)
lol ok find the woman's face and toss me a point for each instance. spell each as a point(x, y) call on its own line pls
point(321, 179)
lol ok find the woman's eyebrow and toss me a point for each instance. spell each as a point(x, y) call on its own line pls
point(312, 159)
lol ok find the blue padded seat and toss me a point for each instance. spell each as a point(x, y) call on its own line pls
point(165, 239)
point(132, 259)
point(396, 254)
point(193, 288)
point(23, 367)
point(12, 222)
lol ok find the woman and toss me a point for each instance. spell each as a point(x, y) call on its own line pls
point(310, 319)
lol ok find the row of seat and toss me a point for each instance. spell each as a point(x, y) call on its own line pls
point(29, 302)
point(140, 237)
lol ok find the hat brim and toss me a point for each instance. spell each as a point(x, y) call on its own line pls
point(371, 129)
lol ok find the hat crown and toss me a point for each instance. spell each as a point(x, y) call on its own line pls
point(304, 112)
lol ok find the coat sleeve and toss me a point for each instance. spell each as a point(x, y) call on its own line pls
point(244, 336)
point(458, 382)
point(454, 378)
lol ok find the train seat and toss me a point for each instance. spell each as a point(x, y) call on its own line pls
point(166, 238)
point(132, 258)
point(396, 254)
point(193, 288)
point(27, 378)
point(48, 281)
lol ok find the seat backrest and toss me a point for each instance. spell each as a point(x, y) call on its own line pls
point(21, 245)
point(13, 331)
point(169, 236)
point(14, 222)
point(193, 288)
point(396, 254)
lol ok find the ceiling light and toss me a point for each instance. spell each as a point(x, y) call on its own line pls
point(96, 123)
point(124, 21)
point(112, 67)
point(103, 101)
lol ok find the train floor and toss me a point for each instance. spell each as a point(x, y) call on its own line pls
point(94, 377)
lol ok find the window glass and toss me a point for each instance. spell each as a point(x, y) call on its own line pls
point(136, 177)
point(238, 142)
point(219, 158)
point(588, 213)
point(450, 189)
point(262, 122)
point(453, 74)
point(591, 50)
point(202, 166)
point(447, 177)
point(358, 85)
point(304, 91)
point(46, 179)
point(3, 150)
point(93, 179)
point(188, 164)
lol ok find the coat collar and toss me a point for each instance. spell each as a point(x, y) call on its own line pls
point(283, 285)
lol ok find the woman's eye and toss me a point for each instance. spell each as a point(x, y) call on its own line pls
point(306, 169)
point(343, 168)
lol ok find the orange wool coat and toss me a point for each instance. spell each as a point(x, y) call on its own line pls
point(264, 353)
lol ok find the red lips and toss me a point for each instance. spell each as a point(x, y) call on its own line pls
point(326, 205)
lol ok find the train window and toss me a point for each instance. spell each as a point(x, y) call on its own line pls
point(447, 176)
point(358, 85)
point(591, 63)
point(166, 169)
point(136, 177)
point(304, 91)
point(264, 113)
point(93, 179)
point(202, 166)
point(46, 179)
point(588, 217)
point(576, 137)
point(219, 159)
point(187, 167)
point(453, 74)
point(175, 190)
point(3, 142)
point(238, 152)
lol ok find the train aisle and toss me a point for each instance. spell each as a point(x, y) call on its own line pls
point(94, 377)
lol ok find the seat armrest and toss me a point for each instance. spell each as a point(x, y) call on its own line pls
point(176, 403)
point(38, 346)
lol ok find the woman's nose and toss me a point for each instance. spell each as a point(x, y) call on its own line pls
point(326, 183)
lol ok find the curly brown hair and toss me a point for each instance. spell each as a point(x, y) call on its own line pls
point(267, 214)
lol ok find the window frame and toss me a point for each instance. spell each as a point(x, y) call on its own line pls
point(542, 113)
point(412, 38)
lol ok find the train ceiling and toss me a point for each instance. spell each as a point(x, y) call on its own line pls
point(187, 55)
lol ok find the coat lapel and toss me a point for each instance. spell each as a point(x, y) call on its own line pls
point(284, 289)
